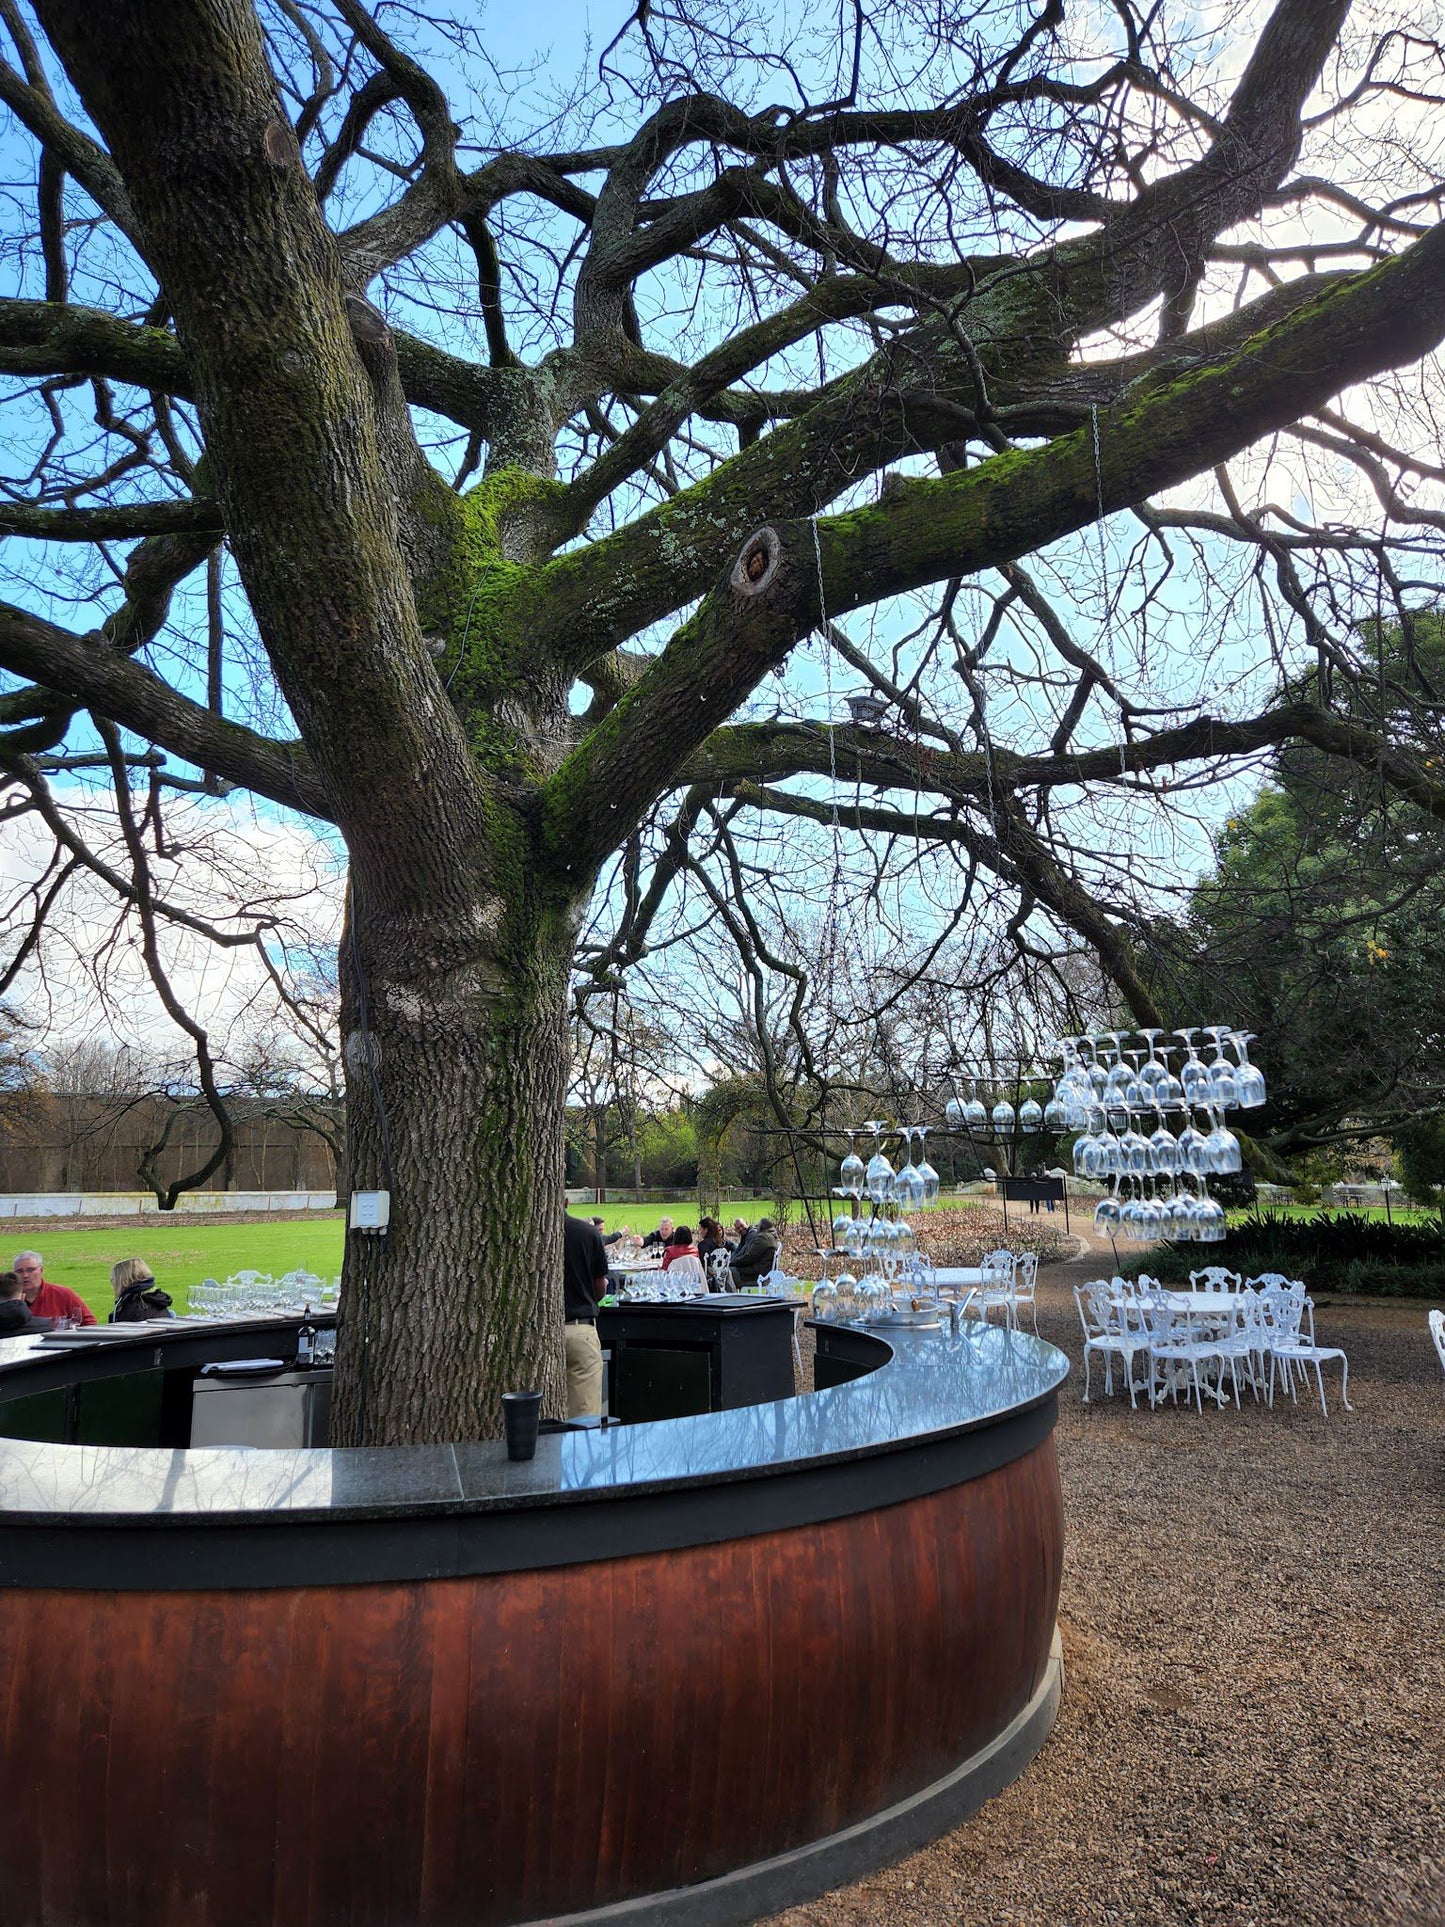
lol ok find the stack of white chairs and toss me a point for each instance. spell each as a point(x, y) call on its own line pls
point(1289, 1316)
point(1268, 1331)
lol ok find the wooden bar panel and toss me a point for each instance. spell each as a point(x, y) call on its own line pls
point(495, 1749)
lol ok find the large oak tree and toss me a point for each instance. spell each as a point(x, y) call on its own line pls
point(999, 242)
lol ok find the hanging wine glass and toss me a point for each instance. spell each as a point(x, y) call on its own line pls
point(1249, 1076)
point(842, 1225)
point(1120, 1071)
point(1152, 1073)
point(908, 1184)
point(1003, 1118)
point(953, 1114)
point(1165, 1149)
point(975, 1117)
point(851, 1171)
point(1224, 1085)
point(879, 1176)
point(1107, 1213)
point(1222, 1149)
point(1211, 1225)
point(925, 1170)
point(1097, 1075)
point(1193, 1151)
point(1031, 1117)
point(1150, 1221)
point(1056, 1117)
point(873, 1299)
point(1136, 1098)
point(1134, 1150)
point(1169, 1093)
point(1194, 1072)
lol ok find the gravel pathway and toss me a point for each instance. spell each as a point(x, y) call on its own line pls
point(1253, 1723)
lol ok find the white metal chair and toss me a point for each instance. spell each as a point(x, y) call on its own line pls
point(1177, 1340)
point(998, 1285)
point(1026, 1283)
point(1247, 1344)
point(1437, 1332)
point(688, 1270)
point(1215, 1278)
point(1106, 1332)
point(1291, 1315)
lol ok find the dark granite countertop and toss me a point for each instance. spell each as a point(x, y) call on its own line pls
point(930, 1387)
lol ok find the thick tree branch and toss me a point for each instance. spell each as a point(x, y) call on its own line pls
point(88, 672)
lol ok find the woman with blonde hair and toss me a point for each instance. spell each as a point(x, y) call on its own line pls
point(137, 1296)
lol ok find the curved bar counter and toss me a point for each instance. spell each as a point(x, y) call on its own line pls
point(689, 1670)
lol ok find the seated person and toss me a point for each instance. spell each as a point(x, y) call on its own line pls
point(660, 1239)
point(757, 1253)
point(15, 1315)
point(44, 1299)
point(137, 1296)
point(599, 1225)
point(680, 1246)
point(711, 1239)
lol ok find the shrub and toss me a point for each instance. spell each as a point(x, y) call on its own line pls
point(1336, 1251)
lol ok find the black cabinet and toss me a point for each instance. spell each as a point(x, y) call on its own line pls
point(673, 1360)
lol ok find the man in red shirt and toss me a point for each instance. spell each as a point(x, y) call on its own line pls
point(46, 1300)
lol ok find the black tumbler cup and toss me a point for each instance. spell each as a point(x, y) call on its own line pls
point(521, 1412)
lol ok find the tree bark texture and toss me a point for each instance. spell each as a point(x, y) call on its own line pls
point(456, 1082)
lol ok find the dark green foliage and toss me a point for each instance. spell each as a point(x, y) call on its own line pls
point(1322, 924)
point(1336, 1251)
point(1422, 1159)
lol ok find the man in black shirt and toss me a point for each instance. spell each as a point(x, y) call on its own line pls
point(584, 1281)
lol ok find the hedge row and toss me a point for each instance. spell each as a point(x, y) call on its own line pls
point(1336, 1251)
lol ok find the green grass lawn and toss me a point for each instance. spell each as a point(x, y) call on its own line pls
point(183, 1249)
point(1399, 1213)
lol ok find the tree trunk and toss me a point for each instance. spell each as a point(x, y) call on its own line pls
point(599, 1154)
point(456, 1081)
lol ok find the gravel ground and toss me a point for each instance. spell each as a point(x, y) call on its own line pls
point(1253, 1723)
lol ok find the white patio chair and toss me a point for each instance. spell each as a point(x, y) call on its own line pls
point(1026, 1284)
point(1277, 1281)
point(998, 1285)
point(1215, 1278)
point(1177, 1342)
point(1437, 1332)
point(1292, 1343)
point(1106, 1333)
point(689, 1271)
point(1247, 1344)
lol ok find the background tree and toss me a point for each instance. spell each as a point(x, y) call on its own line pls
point(752, 334)
point(1322, 924)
